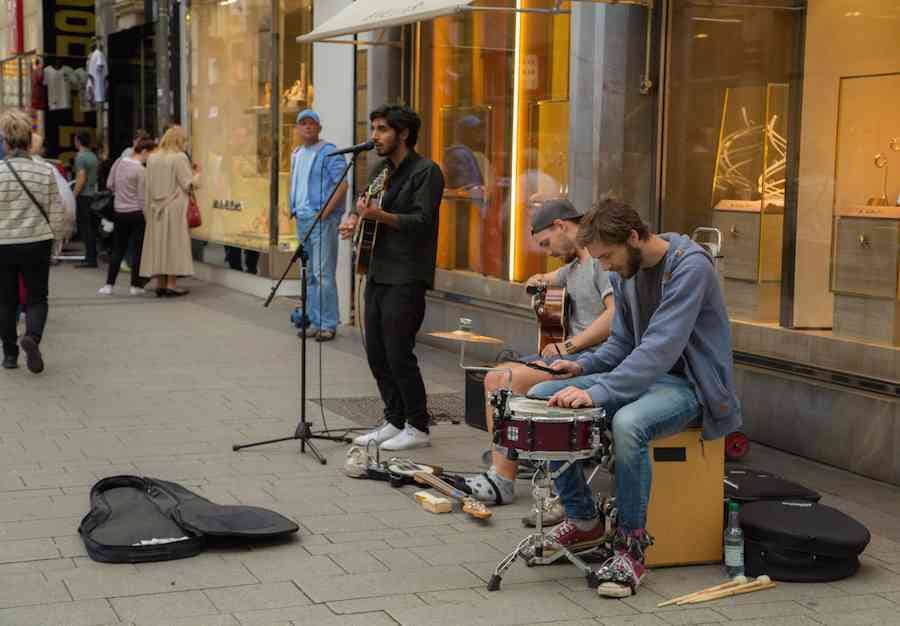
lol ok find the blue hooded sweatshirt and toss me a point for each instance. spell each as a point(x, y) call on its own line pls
point(691, 321)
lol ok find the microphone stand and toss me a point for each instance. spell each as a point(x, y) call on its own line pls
point(303, 431)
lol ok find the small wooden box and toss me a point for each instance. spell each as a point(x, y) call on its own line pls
point(866, 273)
point(686, 510)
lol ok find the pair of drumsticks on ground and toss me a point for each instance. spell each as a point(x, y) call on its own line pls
point(737, 586)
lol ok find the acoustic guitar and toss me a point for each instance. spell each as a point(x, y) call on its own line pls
point(367, 230)
point(551, 307)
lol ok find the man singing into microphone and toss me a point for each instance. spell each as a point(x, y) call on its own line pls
point(400, 270)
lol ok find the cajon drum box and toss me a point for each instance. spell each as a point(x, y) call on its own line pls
point(685, 512)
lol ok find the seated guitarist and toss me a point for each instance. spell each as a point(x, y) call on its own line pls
point(553, 226)
point(667, 363)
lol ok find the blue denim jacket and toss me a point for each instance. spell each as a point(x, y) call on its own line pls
point(691, 321)
point(323, 177)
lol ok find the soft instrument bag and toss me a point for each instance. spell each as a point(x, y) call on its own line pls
point(744, 484)
point(137, 519)
point(800, 541)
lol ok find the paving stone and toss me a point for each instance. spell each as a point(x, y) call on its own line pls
point(365, 605)
point(12, 551)
point(256, 597)
point(521, 573)
point(846, 604)
point(30, 588)
point(194, 620)
point(289, 566)
point(870, 579)
point(489, 612)
point(78, 613)
point(633, 620)
point(399, 559)
point(591, 601)
point(358, 562)
point(163, 606)
point(39, 529)
point(318, 615)
point(452, 596)
point(692, 616)
point(456, 553)
point(70, 546)
point(350, 586)
point(325, 548)
point(764, 609)
point(377, 503)
point(795, 620)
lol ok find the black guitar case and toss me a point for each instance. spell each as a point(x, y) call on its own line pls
point(800, 541)
point(136, 519)
point(749, 485)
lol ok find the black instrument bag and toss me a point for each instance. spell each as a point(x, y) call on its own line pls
point(800, 541)
point(136, 519)
point(749, 485)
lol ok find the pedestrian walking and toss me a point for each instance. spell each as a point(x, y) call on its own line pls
point(128, 182)
point(31, 216)
point(167, 242)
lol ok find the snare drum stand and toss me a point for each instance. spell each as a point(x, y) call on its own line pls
point(531, 548)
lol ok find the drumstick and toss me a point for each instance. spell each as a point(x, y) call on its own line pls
point(737, 580)
point(760, 584)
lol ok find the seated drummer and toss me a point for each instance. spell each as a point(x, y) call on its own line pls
point(554, 224)
point(667, 363)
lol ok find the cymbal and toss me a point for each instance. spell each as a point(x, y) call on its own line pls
point(466, 337)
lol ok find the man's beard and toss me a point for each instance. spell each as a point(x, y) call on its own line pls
point(635, 258)
point(386, 150)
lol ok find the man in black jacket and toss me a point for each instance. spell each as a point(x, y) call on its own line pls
point(400, 271)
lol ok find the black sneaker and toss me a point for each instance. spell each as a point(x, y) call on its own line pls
point(33, 359)
point(10, 362)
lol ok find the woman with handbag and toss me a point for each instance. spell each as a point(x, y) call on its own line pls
point(128, 181)
point(167, 243)
point(31, 216)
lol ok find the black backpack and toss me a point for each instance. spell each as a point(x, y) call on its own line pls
point(136, 519)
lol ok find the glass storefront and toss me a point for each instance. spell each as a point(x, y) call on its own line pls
point(230, 107)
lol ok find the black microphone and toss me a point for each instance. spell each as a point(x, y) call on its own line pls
point(360, 147)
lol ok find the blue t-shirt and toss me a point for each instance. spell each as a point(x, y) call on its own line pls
point(301, 193)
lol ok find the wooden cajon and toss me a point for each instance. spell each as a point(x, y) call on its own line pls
point(685, 512)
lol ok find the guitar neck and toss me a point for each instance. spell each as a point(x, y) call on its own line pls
point(442, 486)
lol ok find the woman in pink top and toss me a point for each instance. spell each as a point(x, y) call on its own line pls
point(128, 182)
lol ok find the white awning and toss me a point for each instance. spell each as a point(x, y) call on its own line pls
point(366, 15)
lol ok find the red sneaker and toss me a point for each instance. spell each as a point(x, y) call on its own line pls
point(568, 535)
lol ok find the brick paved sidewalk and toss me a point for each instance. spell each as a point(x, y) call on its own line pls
point(165, 387)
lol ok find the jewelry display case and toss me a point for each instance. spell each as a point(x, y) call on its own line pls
point(865, 272)
point(748, 198)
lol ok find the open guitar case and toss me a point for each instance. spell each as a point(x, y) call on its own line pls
point(137, 519)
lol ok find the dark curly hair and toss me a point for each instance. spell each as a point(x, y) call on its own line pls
point(399, 118)
point(611, 222)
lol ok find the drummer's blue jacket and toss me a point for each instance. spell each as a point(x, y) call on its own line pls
point(691, 322)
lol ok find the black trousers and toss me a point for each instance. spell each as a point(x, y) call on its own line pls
point(88, 225)
point(394, 314)
point(32, 261)
point(128, 234)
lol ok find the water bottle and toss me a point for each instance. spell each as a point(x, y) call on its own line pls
point(734, 543)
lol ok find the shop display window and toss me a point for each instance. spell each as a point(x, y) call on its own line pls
point(493, 93)
point(231, 117)
point(727, 140)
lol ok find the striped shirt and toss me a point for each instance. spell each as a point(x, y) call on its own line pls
point(20, 220)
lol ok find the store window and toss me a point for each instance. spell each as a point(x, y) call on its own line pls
point(727, 139)
point(231, 117)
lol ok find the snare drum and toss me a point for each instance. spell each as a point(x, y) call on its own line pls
point(541, 432)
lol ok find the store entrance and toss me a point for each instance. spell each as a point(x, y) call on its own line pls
point(132, 85)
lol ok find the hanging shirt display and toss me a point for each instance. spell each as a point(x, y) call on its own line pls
point(38, 95)
point(81, 83)
point(59, 87)
point(97, 71)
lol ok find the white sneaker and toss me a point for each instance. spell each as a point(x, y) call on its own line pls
point(137, 291)
point(379, 435)
point(105, 290)
point(407, 439)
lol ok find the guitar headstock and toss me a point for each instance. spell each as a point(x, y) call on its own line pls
point(378, 184)
point(476, 509)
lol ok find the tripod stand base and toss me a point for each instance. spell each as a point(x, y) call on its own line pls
point(306, 436)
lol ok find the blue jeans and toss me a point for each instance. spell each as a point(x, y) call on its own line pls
point(322, 248)
point(665, 409)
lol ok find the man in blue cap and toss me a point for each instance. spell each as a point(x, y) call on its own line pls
point(313, 176)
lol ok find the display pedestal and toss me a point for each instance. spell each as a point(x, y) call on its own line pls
point(864, 275)
point(752, 246)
